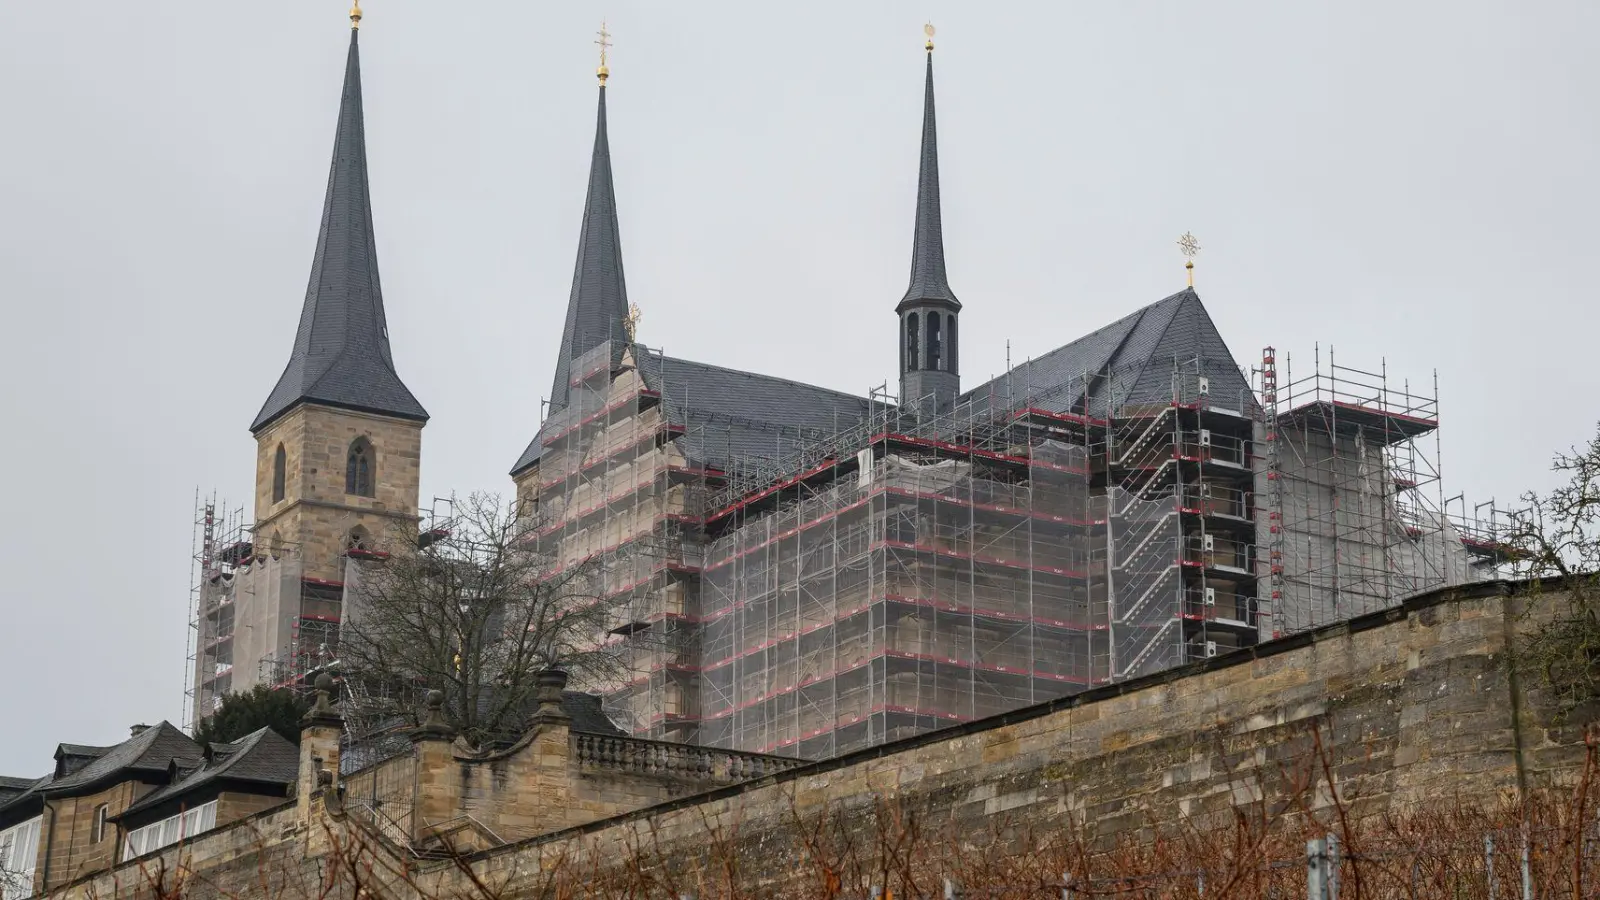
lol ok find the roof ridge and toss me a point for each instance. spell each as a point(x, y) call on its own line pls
point(753, 374)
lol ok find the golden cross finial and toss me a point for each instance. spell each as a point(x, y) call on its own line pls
point(631, 323)
point(1190, 248)
point(928, 31)
point(355, 14)
point(605, 44)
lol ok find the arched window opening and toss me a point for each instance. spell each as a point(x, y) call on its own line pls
point(911, 342)
point(935, 342)
point(358, 539)
point(950, 352)
point(358, 469)
point(280, 469)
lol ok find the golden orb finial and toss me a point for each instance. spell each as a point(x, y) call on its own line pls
point(1191, 248)
point(355, 14)
point(927, 30)
point(604, 71)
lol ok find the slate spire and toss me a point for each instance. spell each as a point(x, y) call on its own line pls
point(341, 353)
point(930, 360)
point(928, 281)
point(597, 309)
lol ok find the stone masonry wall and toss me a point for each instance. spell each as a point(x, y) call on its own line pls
point(1410, 707)
point(233, 806)
point(316, 514)
point(68, 849)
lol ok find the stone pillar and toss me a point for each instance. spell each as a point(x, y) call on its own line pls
point(438, 787)
point(552, 750)
point(319, 753)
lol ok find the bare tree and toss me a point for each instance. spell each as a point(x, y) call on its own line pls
point(476, 608)
point(1558, 541)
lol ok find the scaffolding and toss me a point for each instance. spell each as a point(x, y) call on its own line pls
point(614, 491)
point(1355, 497)
point(1182, 541)
point(832, 590)
point(218, 549)
point(255, 617)
point(913, 573)
point(923, 583)
point(1487, 534)
point(824, 591)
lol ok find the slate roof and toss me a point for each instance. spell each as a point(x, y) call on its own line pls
point(17, 794)
point(147, 753)
point(732, 416)
point(928, 281)
point(261, 757)
point(1128, 361)
point(72, 757)
point(587, 715)
point(598, 305)
point(341, 353)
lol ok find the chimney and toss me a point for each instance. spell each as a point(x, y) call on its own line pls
point(138, 730)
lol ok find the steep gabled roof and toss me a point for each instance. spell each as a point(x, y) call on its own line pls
point(341, 353)
point(261, 757)
point(144, 755)
point(735, 415)
point(597, 308)
point(928, 280)
point(1129, 361)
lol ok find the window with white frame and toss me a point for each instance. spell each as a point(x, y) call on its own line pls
point(19, 850)
point(165, 833)
point(101, 813)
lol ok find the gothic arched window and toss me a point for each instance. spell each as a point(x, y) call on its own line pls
point(911, 342)
point(280, 466)
point(358, 466)
point(358, 540)
point(935, 352)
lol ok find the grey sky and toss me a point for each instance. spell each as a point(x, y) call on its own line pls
point(1409, 180)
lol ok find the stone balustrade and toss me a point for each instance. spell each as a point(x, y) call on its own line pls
point(636, 756)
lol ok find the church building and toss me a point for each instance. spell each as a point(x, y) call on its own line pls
point(801, 571)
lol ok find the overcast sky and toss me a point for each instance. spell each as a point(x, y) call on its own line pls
point(1411, 181)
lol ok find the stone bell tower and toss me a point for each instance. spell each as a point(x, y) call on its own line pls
point(338, 449)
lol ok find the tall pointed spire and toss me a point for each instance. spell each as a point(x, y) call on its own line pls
point(341, 353)
point(930, 362)
point(597, 309)
point(928, 281)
